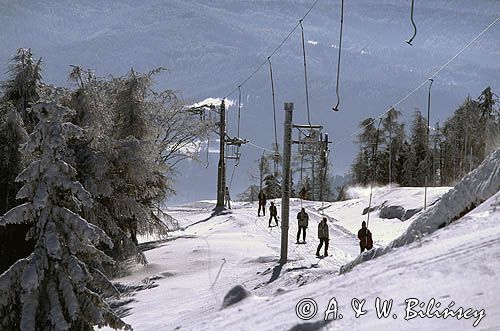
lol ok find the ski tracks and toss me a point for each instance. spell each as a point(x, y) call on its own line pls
point(343, 244)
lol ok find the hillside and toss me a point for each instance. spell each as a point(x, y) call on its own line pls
point(191, 272)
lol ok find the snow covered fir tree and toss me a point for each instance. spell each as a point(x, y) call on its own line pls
point(60, 286)
point(249, 165)
point(60, 241)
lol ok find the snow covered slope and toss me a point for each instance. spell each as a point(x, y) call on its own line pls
point(196, 267)
point(350, 213)
point(476, 187)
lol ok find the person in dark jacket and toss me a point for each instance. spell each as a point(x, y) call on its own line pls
point(365, 238)
point(262, 203)
point(273, 212)
point(303, 219)
point(323, 235)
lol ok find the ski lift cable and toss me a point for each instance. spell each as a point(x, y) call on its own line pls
point(305, 71)
point(413, 23)
point(259, 147)
point(301, 169)
point(422, 84)
point(232, 176)
point(276, 152)
point(300, 130)
point(336, 107)
point(239, 110)
point(373, 168)
point(275, 50)
point(274, 102)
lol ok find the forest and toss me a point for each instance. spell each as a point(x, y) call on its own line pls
point(427, 155)
point(83, 172)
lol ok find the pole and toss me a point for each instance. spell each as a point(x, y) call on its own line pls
point(313, 178)
point(221, 169)
point(428, 145)
point(390, 154)
point(261, 170)
point(285, 190)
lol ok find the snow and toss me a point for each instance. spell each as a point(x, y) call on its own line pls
point(197, 266)
point(350, 212)
point(215, 102)
point(476, 187)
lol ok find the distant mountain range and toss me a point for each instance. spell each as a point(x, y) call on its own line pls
point(211, 46)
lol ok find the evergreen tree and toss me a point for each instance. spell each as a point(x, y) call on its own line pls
point(463, 141)
point(362, 169)
point(271, 176)
point(438, 157)
point(139, 181)
point(55, 287)
point(268, 177)
point(12, 135)
point(436, 142)
point(251, 194)
point(417, 161)
point(489, 122)
point(23, 87)
point(264, 169)
point(19, 92)
point(391, 144)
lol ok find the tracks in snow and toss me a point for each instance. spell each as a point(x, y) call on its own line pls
point(343, 244)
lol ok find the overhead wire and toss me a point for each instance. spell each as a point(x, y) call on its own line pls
point(274, 51)
point(239, 110)
point(257, 70)
point(259, 147)
point(236, 150)
point(414, 26)
point(276, 152)
point(305, 72)
point(421, 85)
point(232, 175)
point(381, 115)
point(336, 107)
point(274, 102)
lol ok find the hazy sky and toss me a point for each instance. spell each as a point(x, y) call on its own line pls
point(211, 46)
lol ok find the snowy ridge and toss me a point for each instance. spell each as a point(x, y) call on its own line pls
point(471, 191)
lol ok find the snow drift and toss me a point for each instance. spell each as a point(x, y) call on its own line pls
point(475, 188)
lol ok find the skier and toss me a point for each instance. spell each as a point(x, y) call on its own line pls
point(303, 219)
point(273, 212)
point(228, 198)
point(365, 238)
point(323, 235)
point(262, 203)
